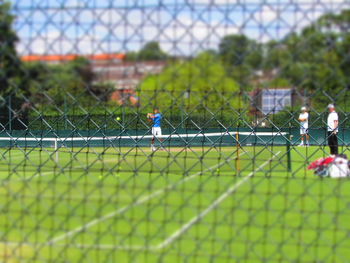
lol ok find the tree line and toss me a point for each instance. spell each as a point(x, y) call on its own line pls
point(215, 83)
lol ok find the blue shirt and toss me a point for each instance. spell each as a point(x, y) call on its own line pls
point(157, 120)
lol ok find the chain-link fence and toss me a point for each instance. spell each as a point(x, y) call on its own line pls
point(174, 131)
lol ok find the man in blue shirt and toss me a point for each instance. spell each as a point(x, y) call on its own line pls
point(156, 117)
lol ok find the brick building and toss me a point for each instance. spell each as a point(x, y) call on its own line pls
point(113, 69)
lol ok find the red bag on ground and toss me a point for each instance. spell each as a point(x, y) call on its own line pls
point(322, 162)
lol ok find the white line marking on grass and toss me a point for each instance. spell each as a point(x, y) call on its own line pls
point(40, 174)
point(12, 157)
point(138, 137)
point(221, 198)
point(36, 175)
point(139, 201)
point(173, 236)
point(5, 181)
point(167, 241)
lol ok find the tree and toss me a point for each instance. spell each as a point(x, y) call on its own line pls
point(52, 88)
point(150, 51)
point(241, 57)
point(315, 60)
point(339, 25)
point(277, 55)
point(199, 87)
point(12, 88)
point(9, 61)
point(318, 60)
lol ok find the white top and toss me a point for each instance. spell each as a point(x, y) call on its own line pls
point(332, 116)
point(304, 124)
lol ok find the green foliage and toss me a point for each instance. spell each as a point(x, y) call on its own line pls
point(9, 62)
point(10, 65)
point(150, 51)
point(279, 82)
point(287, 118)
point(237, 50)
point(12, 86)
point(200, 85)
point(212, 84)
point(315, 60)
point(241, 56)
point(278, 55)
point(66, 87)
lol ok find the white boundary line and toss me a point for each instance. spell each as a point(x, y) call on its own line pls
point(138, 137)
point(36, 175)
point(139, 201)
point(186, 226)
point(217, 201)
point(167, 241)
point(14, 156)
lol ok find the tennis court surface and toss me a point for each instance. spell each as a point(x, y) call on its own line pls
point(174, 131)
point(105, 204)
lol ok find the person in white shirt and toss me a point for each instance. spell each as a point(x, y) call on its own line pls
point(304, 127)
point(332, 129)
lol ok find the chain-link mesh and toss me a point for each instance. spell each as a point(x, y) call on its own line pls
point(169, 131)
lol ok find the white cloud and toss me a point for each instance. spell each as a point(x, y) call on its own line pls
point(185, 36)
point(266, 14)
point(87, 30)
point(75, 3)
point(53, 41)
point(213, 2)
point(318, 1)
point(259, 2)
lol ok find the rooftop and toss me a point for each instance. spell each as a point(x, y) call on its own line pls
point(70, 57)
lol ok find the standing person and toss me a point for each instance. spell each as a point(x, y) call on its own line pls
point(156, 117)
point(332, 129)
point(304, 127)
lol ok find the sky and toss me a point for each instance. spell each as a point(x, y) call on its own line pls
point(182, 27)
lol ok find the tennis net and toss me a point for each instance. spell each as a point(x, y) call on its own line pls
point(214, 139)
point(243, 149)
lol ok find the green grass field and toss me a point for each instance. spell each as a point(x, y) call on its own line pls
point(129, 205)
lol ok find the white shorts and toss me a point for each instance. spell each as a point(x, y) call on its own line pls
point(304, 130)
point(156, 131)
